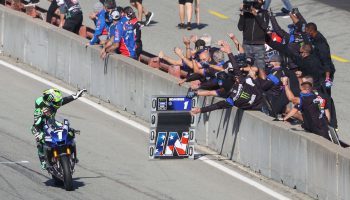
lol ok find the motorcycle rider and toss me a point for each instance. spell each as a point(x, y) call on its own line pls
point(46, 107)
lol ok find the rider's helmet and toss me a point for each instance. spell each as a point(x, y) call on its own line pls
point(53, 97)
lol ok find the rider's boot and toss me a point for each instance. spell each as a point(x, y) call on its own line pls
point(41, 156)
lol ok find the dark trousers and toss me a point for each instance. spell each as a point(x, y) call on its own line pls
point(74, 23)
point(256, 51)
point(51, 11)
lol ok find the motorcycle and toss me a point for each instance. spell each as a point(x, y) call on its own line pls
point(60, 151)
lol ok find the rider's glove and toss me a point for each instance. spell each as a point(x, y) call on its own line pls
point(328, 82)
point(39, 136)
point(79, 94)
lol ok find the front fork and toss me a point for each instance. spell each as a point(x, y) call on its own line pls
point(55, 155)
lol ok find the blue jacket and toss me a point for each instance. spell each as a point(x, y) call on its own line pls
point(100, 26)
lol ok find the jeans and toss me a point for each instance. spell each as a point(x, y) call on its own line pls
point(286, 3)
point(256, 51)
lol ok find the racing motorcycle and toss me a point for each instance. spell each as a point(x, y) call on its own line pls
point(60, 151)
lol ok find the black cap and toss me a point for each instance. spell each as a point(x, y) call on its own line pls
point(199, 44)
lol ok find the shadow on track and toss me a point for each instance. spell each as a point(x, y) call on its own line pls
point(76, 183)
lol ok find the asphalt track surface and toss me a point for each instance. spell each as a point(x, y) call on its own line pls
point(113, 157)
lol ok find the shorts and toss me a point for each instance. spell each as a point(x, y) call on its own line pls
point(103, 37)
point(185, 1)
point(134, 1)
point(73, 23)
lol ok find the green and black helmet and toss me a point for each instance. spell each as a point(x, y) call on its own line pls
point(53, 97)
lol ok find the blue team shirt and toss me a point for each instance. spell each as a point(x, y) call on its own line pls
point(111, 30)
point(125, 36)
point(100, 25)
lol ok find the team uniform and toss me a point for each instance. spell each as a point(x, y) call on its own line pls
point(137, 33)
point(312, 107)
point(101, 27)
point(111, 30)
point(124, 35)
point(273, 89)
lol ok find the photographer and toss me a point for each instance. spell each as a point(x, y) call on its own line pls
point(253, 21)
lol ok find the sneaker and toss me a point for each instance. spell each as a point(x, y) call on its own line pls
point(141, 24)
point(149, 17)
point(295, 10)
point(181, 26)
point(285, 11)
point(189, 27)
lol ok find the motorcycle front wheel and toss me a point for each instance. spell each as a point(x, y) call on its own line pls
point(67, 174)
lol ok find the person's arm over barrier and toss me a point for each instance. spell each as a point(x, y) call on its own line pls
point(216, 106)
point(111, 46)
point(193, 77)
point(171, 61)
point(100, 25)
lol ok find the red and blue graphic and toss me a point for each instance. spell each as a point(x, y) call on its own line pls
point(168, 144)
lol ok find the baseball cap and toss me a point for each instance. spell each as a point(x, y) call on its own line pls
point(199, 44)
point(275, 58)
point(129, 12)
point(115, 15)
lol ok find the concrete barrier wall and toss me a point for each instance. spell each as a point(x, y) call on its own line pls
point(297, 159)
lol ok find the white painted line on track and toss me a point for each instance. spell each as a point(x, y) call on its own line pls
point(145, 129)
point(244, 179)
point(16, 162)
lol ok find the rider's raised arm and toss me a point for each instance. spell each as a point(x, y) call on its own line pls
point(73, 97)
